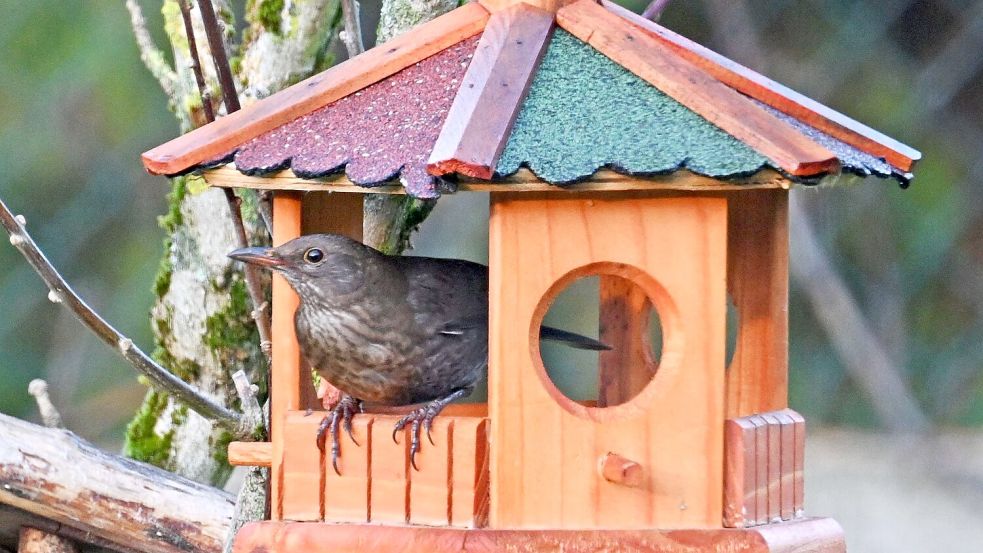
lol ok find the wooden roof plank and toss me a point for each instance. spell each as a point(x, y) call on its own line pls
point(218, 138)
point(491, 94)
point(689, 85)
point(776, 95)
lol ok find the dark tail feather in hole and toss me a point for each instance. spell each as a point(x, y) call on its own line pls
point(571, 339)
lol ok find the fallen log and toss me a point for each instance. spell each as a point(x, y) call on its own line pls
point(54, 474)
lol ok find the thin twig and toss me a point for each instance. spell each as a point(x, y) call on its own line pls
point(61, 292)
point(251, 274)
point(217, 46)
point(352, 35)
point(654, 10)
point(189, 31)
point(49, 414)
point(151, 56)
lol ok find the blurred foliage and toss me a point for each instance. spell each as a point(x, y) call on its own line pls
point(77, 108)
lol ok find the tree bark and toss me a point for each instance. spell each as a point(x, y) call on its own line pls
point(390, 219)
point(55, 475)
point(201, 319)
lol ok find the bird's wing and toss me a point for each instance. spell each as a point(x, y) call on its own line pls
point(449, 296)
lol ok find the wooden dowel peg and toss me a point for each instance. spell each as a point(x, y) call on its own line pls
point(615, 468)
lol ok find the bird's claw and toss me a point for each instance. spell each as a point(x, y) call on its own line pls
point(344, 411)
point(424, 417)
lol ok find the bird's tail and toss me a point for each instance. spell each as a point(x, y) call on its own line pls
point(571, 339)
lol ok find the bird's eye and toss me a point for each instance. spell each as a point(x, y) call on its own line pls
point(313, 255)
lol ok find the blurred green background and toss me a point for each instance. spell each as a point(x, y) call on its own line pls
point(77, 108)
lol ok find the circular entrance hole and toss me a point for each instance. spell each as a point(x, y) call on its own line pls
point(616, 312)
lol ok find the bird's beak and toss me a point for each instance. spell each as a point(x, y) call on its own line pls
point(263, 257)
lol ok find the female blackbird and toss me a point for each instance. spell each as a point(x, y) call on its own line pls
point(390, 330)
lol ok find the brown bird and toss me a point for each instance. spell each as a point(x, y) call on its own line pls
point(389, 330)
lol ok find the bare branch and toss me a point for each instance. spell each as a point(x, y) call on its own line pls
point(49, 415)
point(189, 31)
point(352, 35)
point(247, 398)
point(61, 292)
point(150, 55)
point(217, 46)
point(654, 10)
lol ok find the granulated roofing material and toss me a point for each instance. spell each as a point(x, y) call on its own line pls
point(584, 112)
point(383, 131)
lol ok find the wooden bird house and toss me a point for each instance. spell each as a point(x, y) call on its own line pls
point(611, 147)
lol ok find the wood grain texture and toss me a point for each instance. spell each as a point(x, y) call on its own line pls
point(523, 181)
point(803, 536)
point(301, 466)
point(740, 473)
point(285, 366)
point(625, 369)
point(223, 135)
point(75, 488)
point(250, 454)
point(760, 469)
point(389, 477)
point(32, 540)
point(469, 473)
point(430, 486)
point(757, 280)
point(550, 6)
point(346, 495)
point(787, 483)
point(691, 86)
point(774, 463)
point(777, 95)
point(480, 119)
point(546, 446)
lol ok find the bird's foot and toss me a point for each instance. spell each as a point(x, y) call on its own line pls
point(343, 412)
point(423, 417)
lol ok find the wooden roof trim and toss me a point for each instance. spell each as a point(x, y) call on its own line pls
point(523, 181)
point(776, 95)
point(491, 94)
point(218, 138)
point(689, 85)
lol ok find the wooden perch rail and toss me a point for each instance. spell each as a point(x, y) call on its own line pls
point(55, 475)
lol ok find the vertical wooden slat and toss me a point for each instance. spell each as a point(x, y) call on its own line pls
point(285, 369)
point(301, 467)
point(346, 495)
point(430, 488)
point(798, 489)
point(628, 366)
point(389, 472)
point(740, 486)
point(760, 469)
point(774, 463)
point(757, 279)
point(787, 463)
point(469, 473)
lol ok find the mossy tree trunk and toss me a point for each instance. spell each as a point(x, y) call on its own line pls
point(201, 318)
point(390, 219)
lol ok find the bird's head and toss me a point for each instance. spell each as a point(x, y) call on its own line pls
point(329, 263)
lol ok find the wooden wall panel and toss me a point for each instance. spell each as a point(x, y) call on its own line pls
point(430, 486)
point(757, 279)
point(545, 446)
point(389, 472)
point(469, 473)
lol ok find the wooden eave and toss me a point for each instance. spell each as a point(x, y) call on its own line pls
point(513, 41)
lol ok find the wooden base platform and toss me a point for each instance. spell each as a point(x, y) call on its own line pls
point(812, 535)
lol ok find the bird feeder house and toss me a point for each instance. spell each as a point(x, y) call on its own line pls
point(611, 147)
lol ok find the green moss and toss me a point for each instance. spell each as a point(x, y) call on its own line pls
point(269, 15)
point(142, 443)
point(162, 281)
point(173, 218)
point(228, 329)
point(174, 24)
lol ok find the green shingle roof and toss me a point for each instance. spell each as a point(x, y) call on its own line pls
point(584, 112)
